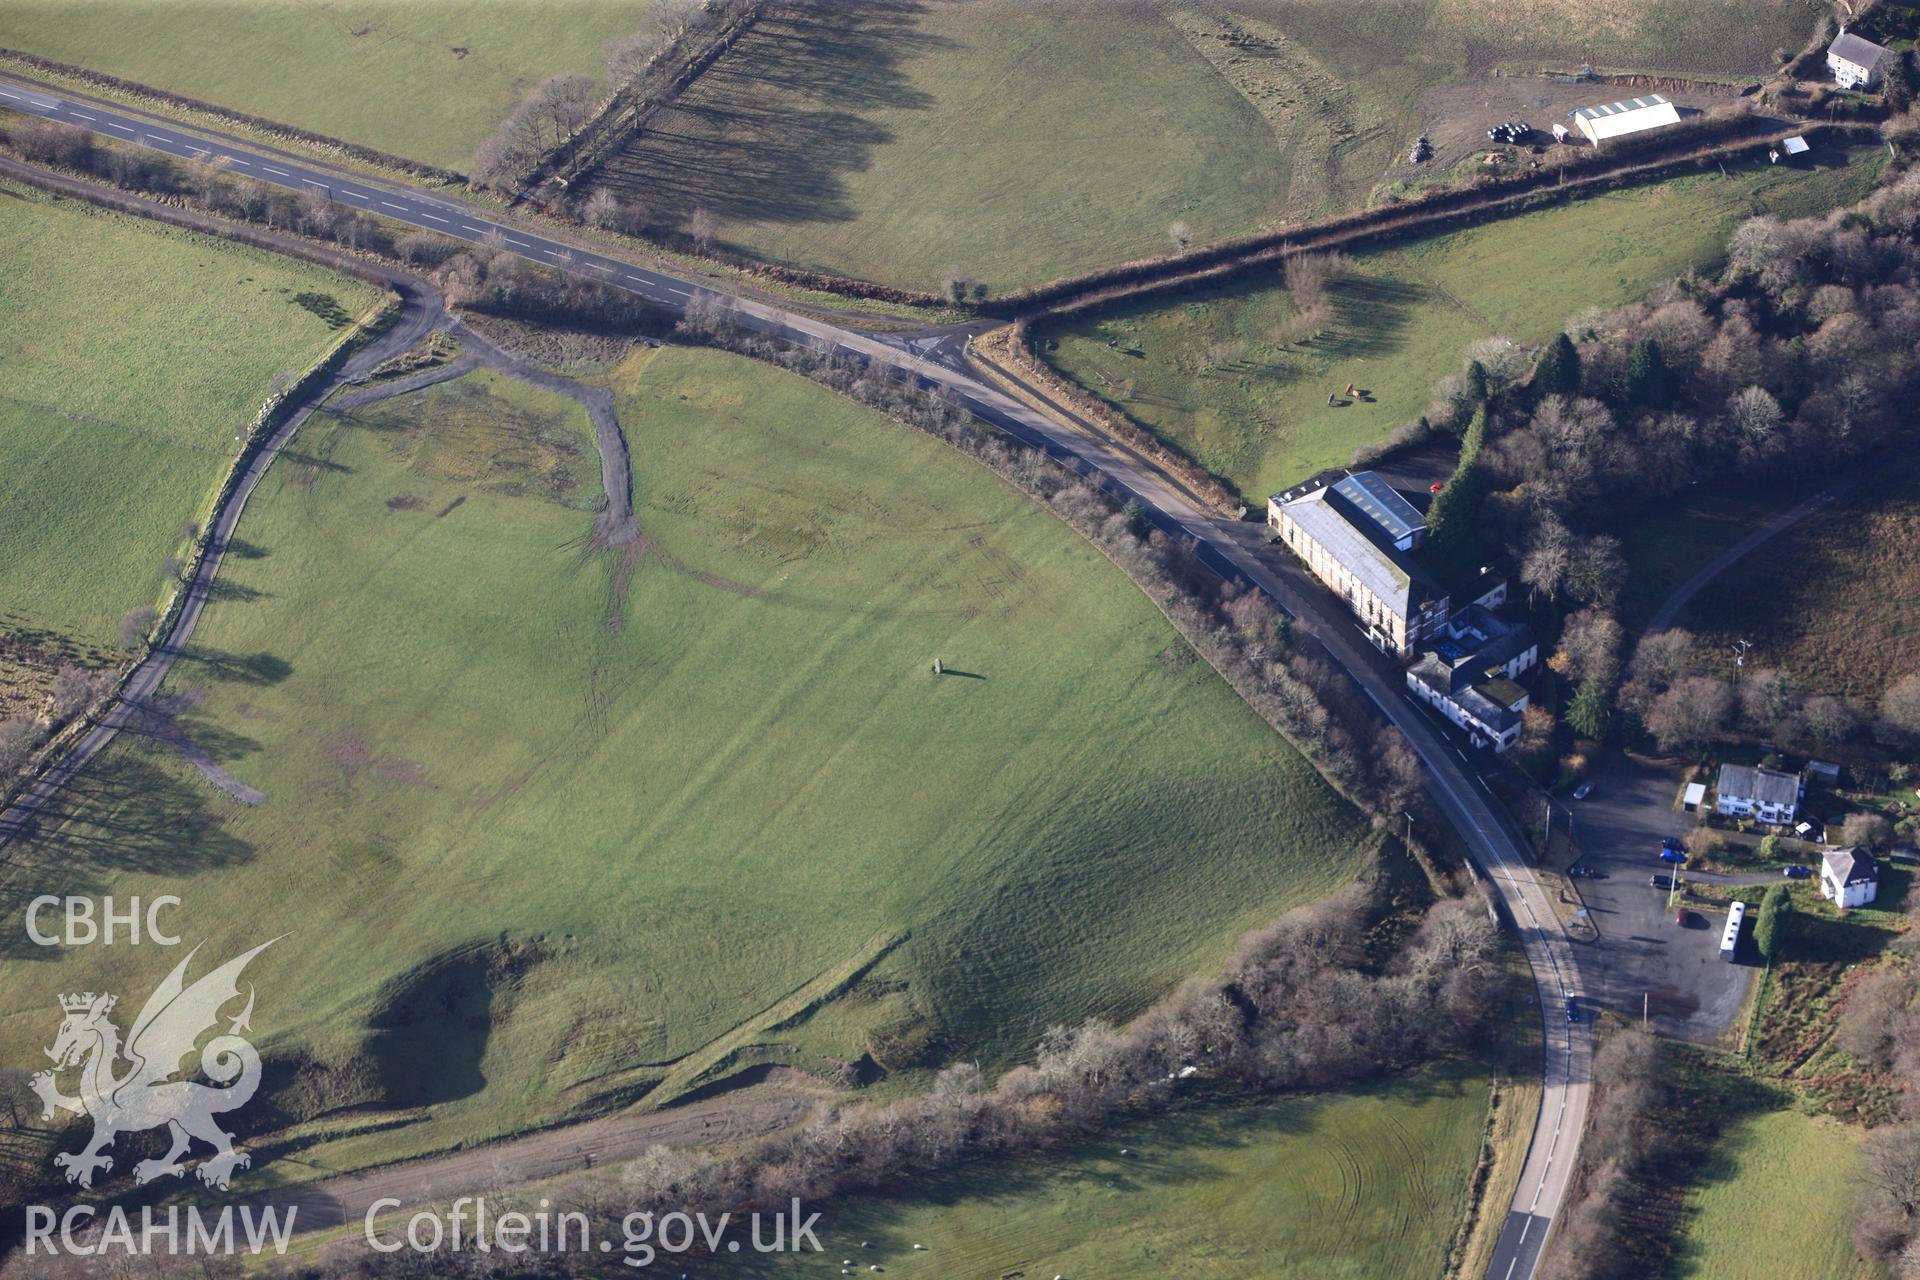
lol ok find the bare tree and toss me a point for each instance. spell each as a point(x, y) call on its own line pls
point(1870, 829)
point(1691, 713)
point(134, 626)
point(1589, 647)
point(1900, 705)
point(1181, 234)
point(702, 226)
point(601, 210)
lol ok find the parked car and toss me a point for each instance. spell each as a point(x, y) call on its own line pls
point(1660, 882)
point(1796, 872)
point(1582, 791)
point(1684, 918)
point(1573, 1008)
point(1672, 855)
point(1672, 842)
point(1436, 486)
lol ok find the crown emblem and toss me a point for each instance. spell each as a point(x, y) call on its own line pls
point(84, 1002)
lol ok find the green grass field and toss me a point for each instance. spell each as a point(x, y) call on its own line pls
point(1369, 1184)
point(543, 824)
point(117, 422)
point(1014, 143)
point(1776, 1199)
point(419, 80)
point(1207, 372)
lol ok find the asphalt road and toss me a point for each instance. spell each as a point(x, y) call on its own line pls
point(1233, 549)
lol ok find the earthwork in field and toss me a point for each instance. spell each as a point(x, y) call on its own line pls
point(899, 142)
point(561, 829)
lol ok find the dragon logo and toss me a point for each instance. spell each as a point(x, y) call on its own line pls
point(146, 1094)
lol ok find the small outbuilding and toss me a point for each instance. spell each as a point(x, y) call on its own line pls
point(1857, 63)
point(1796, 146)
point(1849, 877)
point(1696, 796)
point(1618, 119)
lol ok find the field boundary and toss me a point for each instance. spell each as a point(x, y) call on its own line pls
point(624, 115)
point(1056, 394)
point(273, 128)
point(1435, 211)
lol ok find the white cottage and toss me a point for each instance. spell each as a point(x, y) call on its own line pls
point(1849, 877)
point(1747, 791)
point(1857, 63)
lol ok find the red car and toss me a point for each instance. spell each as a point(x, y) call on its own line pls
point(1436, 486)
point(1683, 917)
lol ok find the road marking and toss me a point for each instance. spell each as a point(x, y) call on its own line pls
point(521, 243)
point(45, 106)
point(5, 94)
point(122, 128)
point(597, 267)
point(681, 292)
point(636, 279)
point(390, 205)
point(244, 164)
point(478, 231)
point(315, 182)
point(442, 221)
point(357, 195)
point(81, 114)
point(282, 172)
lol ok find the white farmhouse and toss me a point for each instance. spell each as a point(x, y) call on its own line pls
point(1857, 63)
point(1747, 791)
point(1849, 877)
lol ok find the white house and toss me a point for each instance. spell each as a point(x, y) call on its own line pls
point(1857, 63)
point(1356, 534)
point(1747, 791)
point(1849, 877)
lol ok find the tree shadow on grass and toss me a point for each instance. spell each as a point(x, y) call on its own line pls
point(1371, 317)
point(124, 814)
point(769, 132)
point(240, 668)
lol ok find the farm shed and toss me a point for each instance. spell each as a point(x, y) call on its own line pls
point(1617, 119)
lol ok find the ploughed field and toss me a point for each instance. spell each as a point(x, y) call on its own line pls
point(550, 829)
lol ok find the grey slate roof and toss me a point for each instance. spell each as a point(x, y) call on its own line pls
point(1852, 866)
point(1861, 53)
point(1762, 786)
point(1389, 574)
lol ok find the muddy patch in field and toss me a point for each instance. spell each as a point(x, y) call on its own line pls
point(352, 754)
point(728, 585)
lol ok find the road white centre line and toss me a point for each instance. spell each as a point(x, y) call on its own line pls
point(244, 164)
point(521, 244)
point(388, 204)
point(282, 172)
point(5, 94)
point(477, 231)
point(82, 115)
point(122, 128)
point(677, 292)
point(44, 106)
point(442, 221)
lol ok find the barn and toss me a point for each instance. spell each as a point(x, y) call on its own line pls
point(1618, 119)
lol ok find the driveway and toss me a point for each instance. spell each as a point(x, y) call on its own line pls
point(1643, 959)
